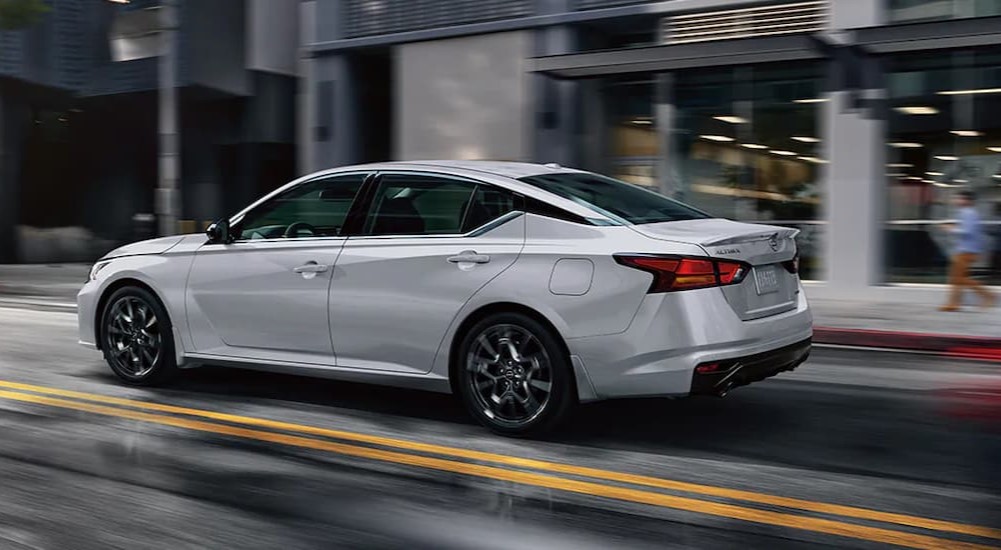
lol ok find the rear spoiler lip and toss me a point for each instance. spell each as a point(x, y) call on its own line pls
point(779, 232)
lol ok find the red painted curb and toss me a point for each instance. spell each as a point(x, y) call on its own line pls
point(973, 347)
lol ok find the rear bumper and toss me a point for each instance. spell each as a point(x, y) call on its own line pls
point(672, 333)
point(733, 373)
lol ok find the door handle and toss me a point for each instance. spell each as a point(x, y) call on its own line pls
point(311, 267)
point(469, 256)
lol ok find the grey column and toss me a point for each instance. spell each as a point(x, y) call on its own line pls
point(557, 121)
point(168, 201)
point(855, 190)
point(305, 98)
point(333, 128)
point(665, 119)
point(331, 89)
point(854, 130)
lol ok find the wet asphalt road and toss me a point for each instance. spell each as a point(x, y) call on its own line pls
point(866, 430)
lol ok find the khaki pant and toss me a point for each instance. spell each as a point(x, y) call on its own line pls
point(960, 280)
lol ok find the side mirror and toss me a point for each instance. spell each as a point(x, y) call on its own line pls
point(218, 233)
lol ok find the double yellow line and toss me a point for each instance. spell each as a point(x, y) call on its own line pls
point(623, 486)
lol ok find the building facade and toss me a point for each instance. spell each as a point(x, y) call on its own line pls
point(79, 128)
point(854, 121)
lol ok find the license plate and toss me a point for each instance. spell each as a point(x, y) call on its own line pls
point(766, 279)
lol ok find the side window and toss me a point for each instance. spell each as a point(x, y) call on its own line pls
point(317, 208)
point(488, 204)
point(405, 204)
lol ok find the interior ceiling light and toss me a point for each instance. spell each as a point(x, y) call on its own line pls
point(917, 110)
point(934, 173)
point(900, 165)
point(722, 139)
point(642, 121)
point(905, 145)
point(806, 139)
point(966, 133)
point(732, 119)
point(972, 92)
point(994, 149)
point(811, 100)
point(783, 153)
point(946, 157)
point(814, 160)
point(753, 146)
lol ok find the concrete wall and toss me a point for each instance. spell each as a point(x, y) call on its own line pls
point(463, 98)
point(273, 36)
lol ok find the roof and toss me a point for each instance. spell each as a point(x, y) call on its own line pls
point(507, 169)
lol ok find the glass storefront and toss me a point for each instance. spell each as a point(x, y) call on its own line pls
point(633, 137)
point(745, 144)
point(943, 135)
point(909, 11)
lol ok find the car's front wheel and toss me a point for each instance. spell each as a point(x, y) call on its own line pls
point(514, 376)
point(137, 337)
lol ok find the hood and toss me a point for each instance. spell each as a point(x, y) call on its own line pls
point(151, 246)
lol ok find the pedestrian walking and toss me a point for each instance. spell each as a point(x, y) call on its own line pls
point(970, 245)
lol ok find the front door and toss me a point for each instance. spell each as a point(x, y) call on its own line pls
point(428, 244)
point(264, 295)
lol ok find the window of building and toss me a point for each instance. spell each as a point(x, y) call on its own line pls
point(908, 11)
point(632, 136)
point(406, 204)
point(944, 135)
point(746, 144)
point(316, 208)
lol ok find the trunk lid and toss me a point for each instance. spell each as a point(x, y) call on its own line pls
point(769, 289)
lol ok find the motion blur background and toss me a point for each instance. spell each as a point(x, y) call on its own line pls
point(852, 120)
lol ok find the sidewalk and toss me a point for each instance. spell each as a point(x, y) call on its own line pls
point(972, 333)
point(52, 286)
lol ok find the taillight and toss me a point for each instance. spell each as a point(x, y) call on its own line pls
point(792, 266)
point(673, 273)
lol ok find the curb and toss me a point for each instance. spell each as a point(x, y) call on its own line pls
point(954, 345)
point(41, 304)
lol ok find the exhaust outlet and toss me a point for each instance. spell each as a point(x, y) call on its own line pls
point(724, 390)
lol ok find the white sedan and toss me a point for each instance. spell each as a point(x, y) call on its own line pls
point(523, 288)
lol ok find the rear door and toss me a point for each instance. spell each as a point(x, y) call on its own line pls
point(428, 243)
point(771, 288)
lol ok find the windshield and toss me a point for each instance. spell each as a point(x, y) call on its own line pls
point(613, 198)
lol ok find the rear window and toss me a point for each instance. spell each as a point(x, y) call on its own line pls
point(616, 199)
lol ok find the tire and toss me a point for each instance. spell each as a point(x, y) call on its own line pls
point(137, 337)
point(504, 387)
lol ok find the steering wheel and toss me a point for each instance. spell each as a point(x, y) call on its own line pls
point(293, 230)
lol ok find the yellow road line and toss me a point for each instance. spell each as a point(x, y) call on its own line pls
point(555, 467)
point(826, 526)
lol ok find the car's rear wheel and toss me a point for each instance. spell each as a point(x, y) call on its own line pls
point(137, 339)
point(514, 376)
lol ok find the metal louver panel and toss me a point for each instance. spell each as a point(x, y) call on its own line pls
point(770, 20)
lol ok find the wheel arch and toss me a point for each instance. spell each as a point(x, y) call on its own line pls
point(483, 312)
point(113, 287)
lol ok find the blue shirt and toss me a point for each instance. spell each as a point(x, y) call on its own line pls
point(970, 233)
